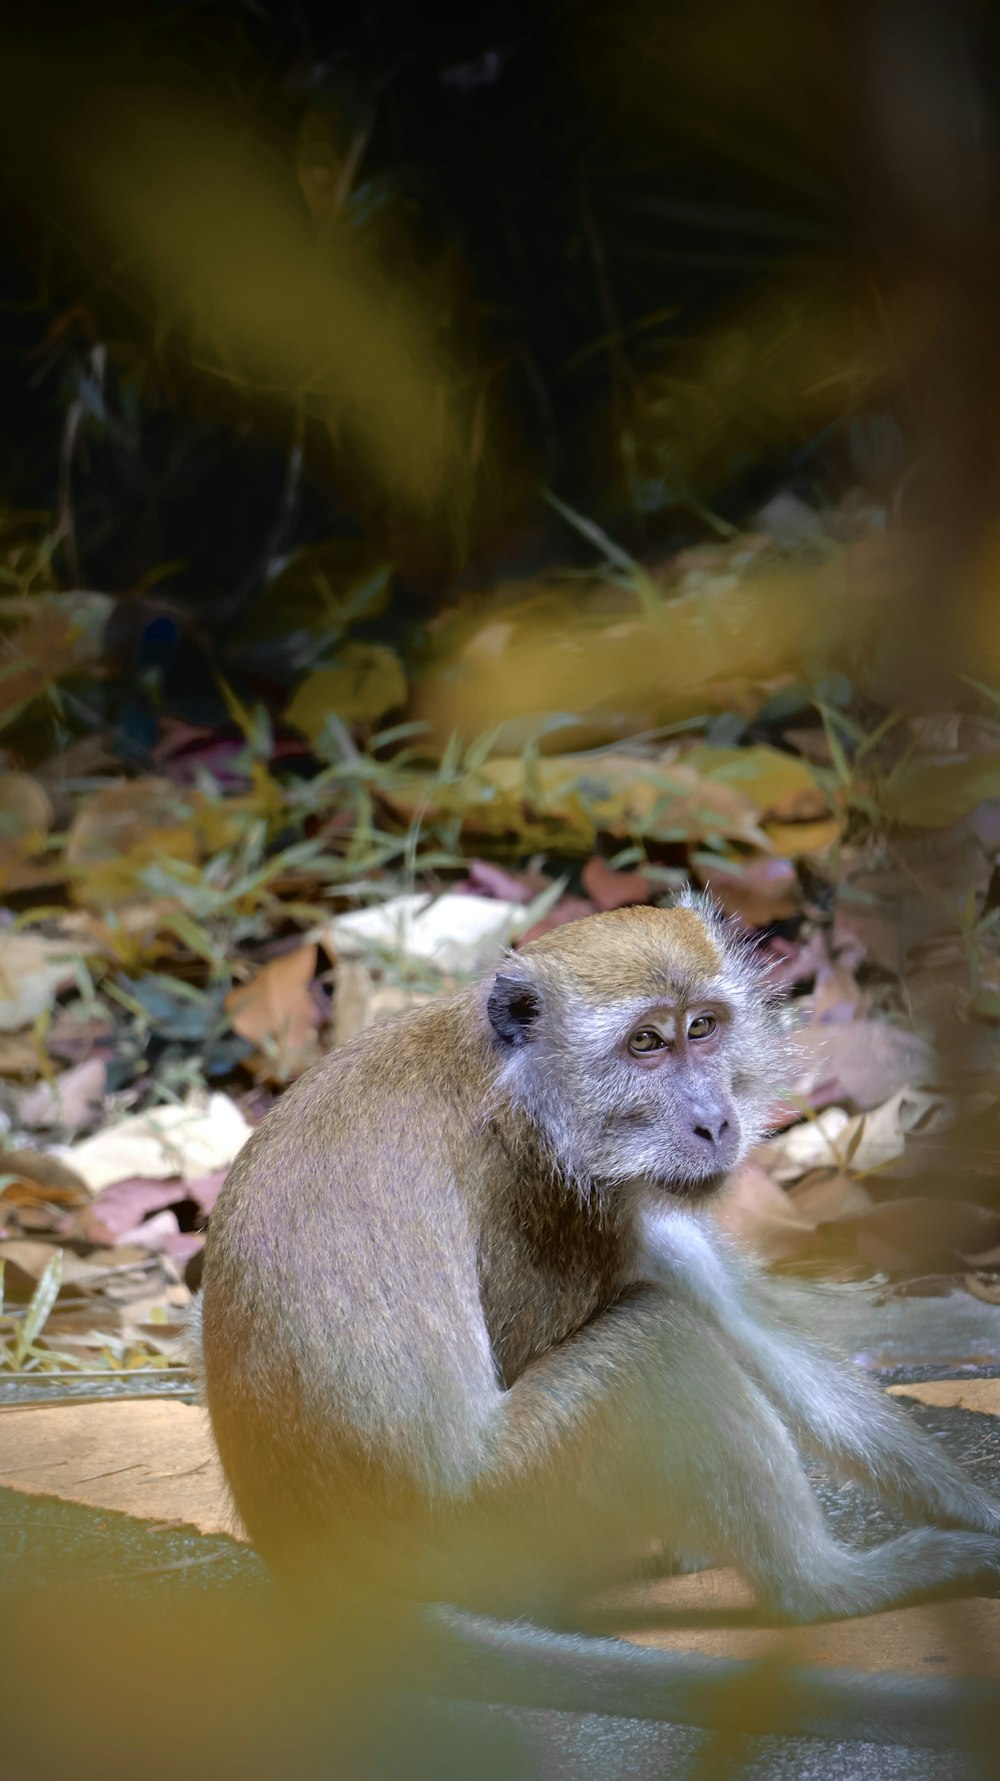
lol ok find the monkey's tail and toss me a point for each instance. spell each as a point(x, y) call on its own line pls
point(472, 1658)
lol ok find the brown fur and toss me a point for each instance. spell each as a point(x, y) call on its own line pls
point(633, 952)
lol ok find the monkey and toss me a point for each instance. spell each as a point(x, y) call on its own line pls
point(469, 1326)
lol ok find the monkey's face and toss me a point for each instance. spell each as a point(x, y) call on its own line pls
point(641, 1045)
point(676, 1117)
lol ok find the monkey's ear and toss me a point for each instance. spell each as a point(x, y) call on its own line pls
point(512, 1007)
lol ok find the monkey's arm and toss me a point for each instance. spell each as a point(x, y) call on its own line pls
point(646, 1422)
point(828, 1402)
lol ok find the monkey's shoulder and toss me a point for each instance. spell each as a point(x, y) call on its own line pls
point(548, 1261)
point(403, 1079)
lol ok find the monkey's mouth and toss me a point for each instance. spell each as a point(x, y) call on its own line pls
point(702, 1189)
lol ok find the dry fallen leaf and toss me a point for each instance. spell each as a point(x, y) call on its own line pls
point(984, 1286)
point(858, 1064)
point(568, 800)
point(865, 1142)
point(20, 1055)
point(487, 879)
point(589, 653)
point(187, 1140)
point(780, 786)
point(759, 1214)
point(758, 891)
point(276, 1011)
point(36, 1178)
point(918, 1234)
point(67, 1101)
point(33, 970)
point(25, 820)
point(161, 1233)
point(456, 932)
point(123, 828)
point(352, 996)
point(46, 643)
point(932, 794)
point(825, 1195)
point(981, 1395)
point(804, 840)
point(836, 995)
point(390, 999)
point(25, 1260)
point(608, 889)
point(128, 933)
point(890, 901)
point(121, 1208)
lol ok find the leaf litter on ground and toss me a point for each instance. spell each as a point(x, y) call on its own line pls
point(215, 926)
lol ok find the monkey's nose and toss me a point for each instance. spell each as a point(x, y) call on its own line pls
point(712, 1133)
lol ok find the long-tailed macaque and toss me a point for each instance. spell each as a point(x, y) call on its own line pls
point(467, 1327)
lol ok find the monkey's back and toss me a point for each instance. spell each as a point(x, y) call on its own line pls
point(344, 1342)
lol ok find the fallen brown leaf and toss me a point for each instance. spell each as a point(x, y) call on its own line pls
point(931, 794)
point(123, 828)
point(487, 879)
point(568, 800)
point(39, 1178)
point(804, 840)
point(918, 1235)
point(277, 1011)
point(825, 1195)
point(757, 1212)
point(781, 787)
point(760, 891)
point(981, 1395)
point(367, 681)
point(865, 1142)
point(837, 995)
point(33, 970)
point(20, 1055)
point(25, 1260)
point(984, 1286)
point(122, 1207)
point(352, 997)
point(888, 903)
point(25, 820)
point(608, 889)
point(859, 1064)
point(67, 1101)
point(567, 909)
point(588, 651)
point(44, 645)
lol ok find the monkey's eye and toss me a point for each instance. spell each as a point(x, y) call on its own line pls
point(702, 1026)
point(646, 1039)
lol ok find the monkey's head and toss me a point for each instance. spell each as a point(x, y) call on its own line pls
point(641, 1043)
